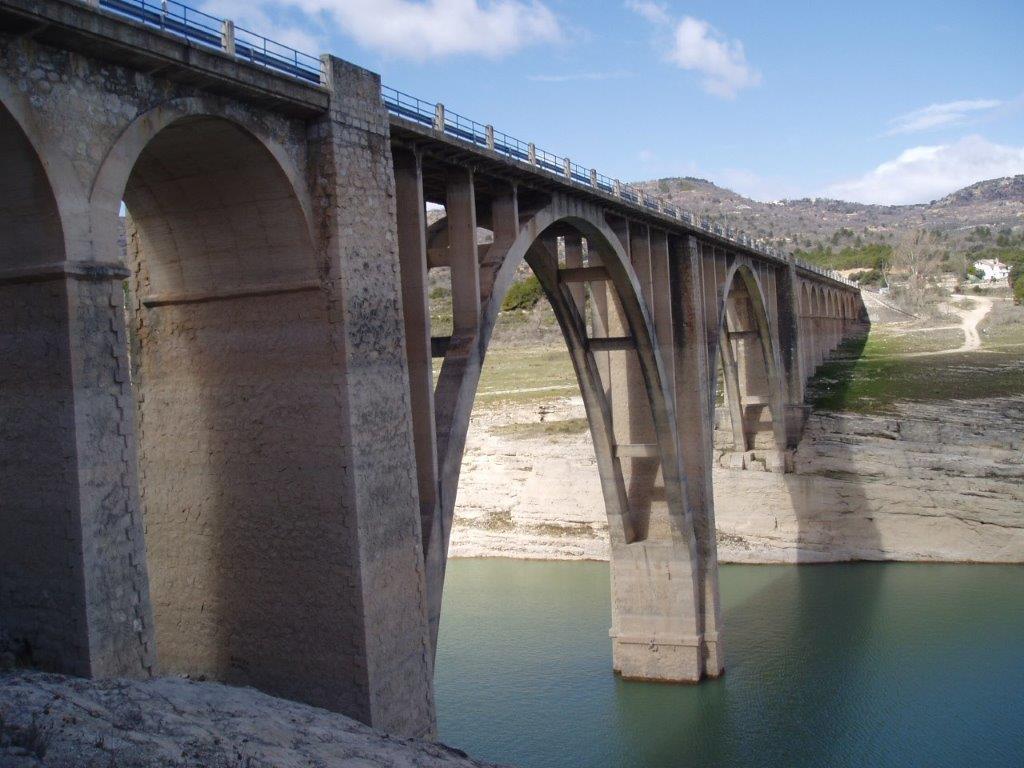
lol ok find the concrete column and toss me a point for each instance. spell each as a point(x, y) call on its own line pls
point(574, 259)
point(599, 320)
point(412, 254)
point(791, 352)
point(390, 684)
point(460, 205)
point(696, 433)
point(656, 622)
point(227, 37)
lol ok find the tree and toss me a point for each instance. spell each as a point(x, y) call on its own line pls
point(916, 254)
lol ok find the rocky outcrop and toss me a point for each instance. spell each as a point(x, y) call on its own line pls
point(939, 482)
point(63, 722)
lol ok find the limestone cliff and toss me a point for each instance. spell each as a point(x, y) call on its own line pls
point(943, 481)
point(62, 722)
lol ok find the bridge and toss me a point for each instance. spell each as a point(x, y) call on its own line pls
point(225, 452)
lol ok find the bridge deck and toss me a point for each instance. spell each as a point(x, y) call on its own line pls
point(496, 164)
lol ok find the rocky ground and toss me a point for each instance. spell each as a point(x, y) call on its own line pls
point(61, 722)
point(907, 457)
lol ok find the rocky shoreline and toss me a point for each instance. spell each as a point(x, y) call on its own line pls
point(67, 722)
point(928, 482)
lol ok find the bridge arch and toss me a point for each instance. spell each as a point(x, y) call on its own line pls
point(112, 181)
point(38, 190)
point(232, 352)
point(532, 237)
point(751, 367)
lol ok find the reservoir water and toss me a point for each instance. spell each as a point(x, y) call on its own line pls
point(827, 665)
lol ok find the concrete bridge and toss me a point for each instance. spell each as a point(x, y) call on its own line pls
point(225, 454)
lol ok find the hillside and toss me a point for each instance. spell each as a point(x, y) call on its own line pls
point(997, 204)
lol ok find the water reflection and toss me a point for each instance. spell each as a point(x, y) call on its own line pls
point(838, 665)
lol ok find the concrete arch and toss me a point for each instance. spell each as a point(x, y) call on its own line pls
point(31, 159)
point(111, 181)
point(460, 371)
point(747, 416)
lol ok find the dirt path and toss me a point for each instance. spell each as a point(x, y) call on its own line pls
point(969, 321)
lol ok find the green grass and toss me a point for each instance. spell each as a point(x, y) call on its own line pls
point(865, 377)
point(542, 428)
point(887, 343)
point(1003, 336)
point(522, 375)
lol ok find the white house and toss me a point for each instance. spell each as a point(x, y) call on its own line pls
point(992, 269)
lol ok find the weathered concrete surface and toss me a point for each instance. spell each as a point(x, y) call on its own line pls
point(275, 452)
point(61, 722)
point(933, 483)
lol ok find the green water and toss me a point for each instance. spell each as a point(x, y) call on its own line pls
point(827, 665)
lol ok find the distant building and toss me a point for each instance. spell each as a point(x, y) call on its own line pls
point(991, 269)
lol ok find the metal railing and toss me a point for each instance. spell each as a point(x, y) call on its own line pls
point(203, 29)
point(441, 119)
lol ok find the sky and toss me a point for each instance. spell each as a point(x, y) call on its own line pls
point(878, 102)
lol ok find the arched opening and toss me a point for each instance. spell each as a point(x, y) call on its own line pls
point(239, 440)
point(752, 385)
point(571, 248)
point(40, 585)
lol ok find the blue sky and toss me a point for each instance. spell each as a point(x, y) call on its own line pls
point(890, 102)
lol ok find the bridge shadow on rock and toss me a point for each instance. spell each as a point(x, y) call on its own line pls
point(835, 517)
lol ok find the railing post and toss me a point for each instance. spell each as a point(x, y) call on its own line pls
point(531, 153)
point(227, 37)
point(593, 177)
point(567, 165)
point(617, 185)
point(439, 118)
point(489, 132)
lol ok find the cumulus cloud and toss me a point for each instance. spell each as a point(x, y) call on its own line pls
point(940, 115)
point(924, 173)
point(697, 46)
point(423, 29)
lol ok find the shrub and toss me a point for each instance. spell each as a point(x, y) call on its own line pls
point(868, 277)
point(524, 294)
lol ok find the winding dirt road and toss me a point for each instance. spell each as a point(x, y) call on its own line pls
point(969, 321)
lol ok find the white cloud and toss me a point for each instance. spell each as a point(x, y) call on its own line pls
point(926, 173)
point(656, 13)
point(940, 115)
point(434, 28)
point(578, 76)
point(646, 156)
point(417, 29)
point(754, 185)
point(697, 46)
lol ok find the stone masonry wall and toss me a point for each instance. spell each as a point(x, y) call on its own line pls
point(275, 433)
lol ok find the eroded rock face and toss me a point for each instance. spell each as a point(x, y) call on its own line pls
point(65, 722)
point(935, 482)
